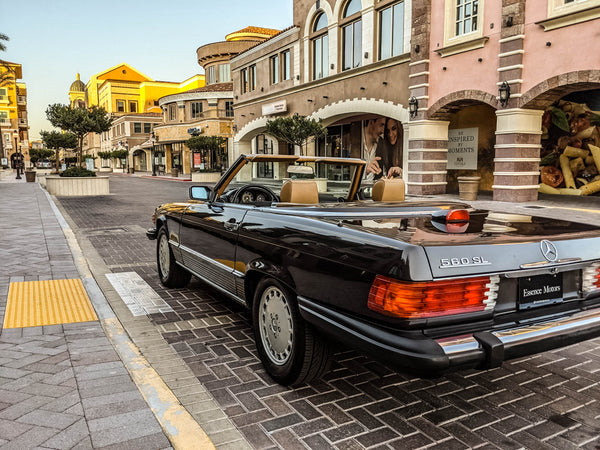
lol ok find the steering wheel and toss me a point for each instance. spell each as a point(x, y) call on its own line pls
point(253, 193)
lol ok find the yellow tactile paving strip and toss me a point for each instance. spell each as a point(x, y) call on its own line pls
point(51, 302)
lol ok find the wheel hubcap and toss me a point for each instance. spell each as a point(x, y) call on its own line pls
point(276, 330)
point(163, 256)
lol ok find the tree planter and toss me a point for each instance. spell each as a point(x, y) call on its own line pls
point(205, 177)
point(77, 186)
point(30, 176)
point(468, 187)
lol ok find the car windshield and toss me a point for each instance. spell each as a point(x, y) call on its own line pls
point(334, 178)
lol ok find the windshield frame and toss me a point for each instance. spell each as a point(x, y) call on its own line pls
point(245, 159)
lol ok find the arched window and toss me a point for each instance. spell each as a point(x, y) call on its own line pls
point(352, 7)
point(351, 35)
point(320, 47)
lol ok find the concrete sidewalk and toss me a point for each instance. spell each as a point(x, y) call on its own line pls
point(69, 385)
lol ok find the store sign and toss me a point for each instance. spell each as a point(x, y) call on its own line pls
point(274, 108)
point(462, 148)
point(89, 164)
point(4, 162)
point(197, 159)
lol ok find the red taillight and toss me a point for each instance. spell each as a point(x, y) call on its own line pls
point(453, 221)
point(591, 278)
point(430, 299)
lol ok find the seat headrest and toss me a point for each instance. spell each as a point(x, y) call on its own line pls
point(299, 191)
point(388, 190)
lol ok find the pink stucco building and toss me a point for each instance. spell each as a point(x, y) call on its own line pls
point(350, 62)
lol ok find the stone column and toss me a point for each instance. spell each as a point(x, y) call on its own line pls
point(427, 157)
point(517, 162)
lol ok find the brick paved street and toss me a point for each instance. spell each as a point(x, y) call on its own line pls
point(551, 400)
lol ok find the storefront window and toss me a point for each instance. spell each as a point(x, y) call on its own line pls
point(571, 144)
point(264, 146)
point(377, 140)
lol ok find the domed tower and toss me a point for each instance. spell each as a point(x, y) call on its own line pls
point(77, 93)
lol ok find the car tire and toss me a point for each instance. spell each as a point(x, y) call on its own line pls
point(170, 273)
point(290, 350)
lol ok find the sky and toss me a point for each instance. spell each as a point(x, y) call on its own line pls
point(54, 40)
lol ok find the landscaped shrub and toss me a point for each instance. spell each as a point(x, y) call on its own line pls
point(77, 172)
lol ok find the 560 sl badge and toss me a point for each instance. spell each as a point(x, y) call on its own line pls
point(450, 263)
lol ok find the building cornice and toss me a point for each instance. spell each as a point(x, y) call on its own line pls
point(195, 96)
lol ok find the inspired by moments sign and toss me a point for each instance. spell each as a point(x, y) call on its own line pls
point(462, 148)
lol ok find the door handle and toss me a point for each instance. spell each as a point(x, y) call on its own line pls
point(231, 225)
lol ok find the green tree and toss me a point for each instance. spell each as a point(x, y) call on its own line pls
point(57, 140)
point(79, 121)
point(37, 154)
point(296, 130)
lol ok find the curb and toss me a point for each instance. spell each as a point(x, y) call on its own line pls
point(178, 425)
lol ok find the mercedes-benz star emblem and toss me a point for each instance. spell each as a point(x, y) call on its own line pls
point(549, 250)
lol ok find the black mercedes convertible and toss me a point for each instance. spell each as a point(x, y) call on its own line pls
point(428, 287)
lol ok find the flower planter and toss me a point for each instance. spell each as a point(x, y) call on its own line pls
point(468, 187)
point(77, 186)
point(205, 177)
point(30, 176)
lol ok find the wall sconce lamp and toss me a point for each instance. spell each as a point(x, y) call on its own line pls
point(366, 55)
point(235, 128)
point(504, 93)
point(509, 21)
point(417, 48)
point(413, 106)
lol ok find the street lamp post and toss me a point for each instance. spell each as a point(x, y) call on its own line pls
point(153, 154)
point(19, 157)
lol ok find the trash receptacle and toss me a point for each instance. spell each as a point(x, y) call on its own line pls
point(30, 176)
point(174, 172)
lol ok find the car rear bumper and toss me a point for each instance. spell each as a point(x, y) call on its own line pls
point(430, 357)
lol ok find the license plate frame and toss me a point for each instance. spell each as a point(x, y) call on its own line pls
point(540, 290)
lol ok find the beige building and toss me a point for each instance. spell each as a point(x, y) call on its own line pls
point(205, 111)
point(344, 62)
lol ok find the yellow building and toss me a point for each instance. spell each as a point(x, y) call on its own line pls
point(123, 91)
point(14, 128)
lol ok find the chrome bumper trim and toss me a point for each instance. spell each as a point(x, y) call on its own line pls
point(526, 334)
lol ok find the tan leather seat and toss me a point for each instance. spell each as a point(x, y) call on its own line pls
point(299, 191)
point(388, 190)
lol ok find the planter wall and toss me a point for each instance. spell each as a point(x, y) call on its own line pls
point(105, 169)
point(205, 177)
point(77, 186)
